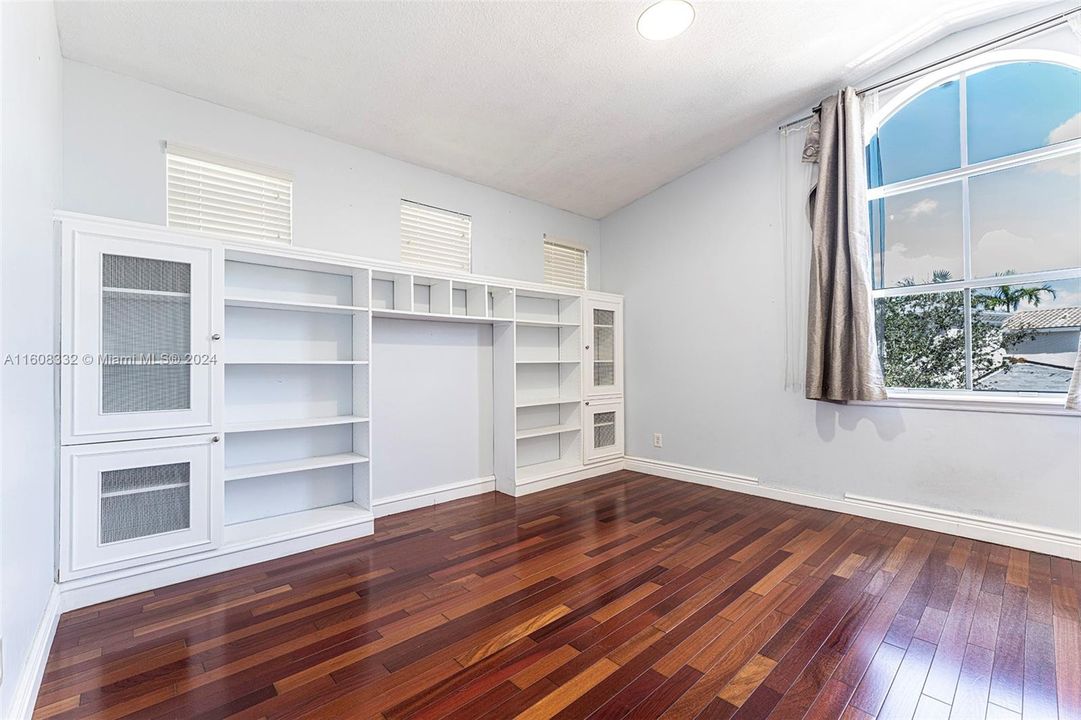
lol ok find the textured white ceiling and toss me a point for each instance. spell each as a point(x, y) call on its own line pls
point(560, 102)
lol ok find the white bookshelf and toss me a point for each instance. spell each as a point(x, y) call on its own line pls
point(547, 361)
point(297, 439)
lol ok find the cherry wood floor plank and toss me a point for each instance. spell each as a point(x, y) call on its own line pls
point(624, 596)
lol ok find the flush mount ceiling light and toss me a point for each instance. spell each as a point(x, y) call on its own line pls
point(665, 19)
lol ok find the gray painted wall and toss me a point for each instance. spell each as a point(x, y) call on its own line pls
point(344, 199)
point(701, 265)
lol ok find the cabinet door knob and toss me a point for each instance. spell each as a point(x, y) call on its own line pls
point(216, 336)
point(587, 402)
point(216, 438)
point(587, 347)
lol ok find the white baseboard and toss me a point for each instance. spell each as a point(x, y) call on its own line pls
point(432, 496)
point(109, 586)
point(548, 482)
point(1002, 532)
point(28, 681)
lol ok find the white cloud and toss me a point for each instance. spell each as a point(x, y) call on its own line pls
point(902, 262)
point(1001, 250)
point(1067, 165)
point(1066, 131)
point(1071, 164)
point(926, 206)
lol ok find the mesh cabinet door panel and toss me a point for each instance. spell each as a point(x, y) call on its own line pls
point(604, 348)
point(604, 429)
point(144, 501)
point(146, 334)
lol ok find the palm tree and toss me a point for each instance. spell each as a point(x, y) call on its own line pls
point(1009, 297)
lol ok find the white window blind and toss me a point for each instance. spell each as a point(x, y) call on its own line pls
point(226, 197)
point(436, 238)
point(564, 264)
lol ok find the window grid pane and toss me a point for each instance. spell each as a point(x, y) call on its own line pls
point(1017, 217)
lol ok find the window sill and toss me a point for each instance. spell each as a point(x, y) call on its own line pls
point(1016, 404)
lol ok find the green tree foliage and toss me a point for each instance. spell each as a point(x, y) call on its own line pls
point(921, 338)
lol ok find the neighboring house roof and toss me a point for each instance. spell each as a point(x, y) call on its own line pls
point(1027, 377)
point(1063, 317)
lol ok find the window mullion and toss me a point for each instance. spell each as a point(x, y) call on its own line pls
point(966, 230)
point(969, 377)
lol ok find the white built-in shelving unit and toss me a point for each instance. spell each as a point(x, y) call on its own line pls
point(266, 448)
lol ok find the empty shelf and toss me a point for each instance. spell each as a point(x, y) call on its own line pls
point(546, 401)
point(548, 362)
point(541, 470)
point(304, 522)
point(296, 362)
point(240, 472)
point(286, 424)
point(546, 323)
point(547, 430)
point(442, 317)
point(266, 304)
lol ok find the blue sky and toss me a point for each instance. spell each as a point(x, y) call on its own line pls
point(1024, 219)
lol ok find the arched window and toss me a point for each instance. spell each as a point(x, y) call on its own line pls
point(975, 204)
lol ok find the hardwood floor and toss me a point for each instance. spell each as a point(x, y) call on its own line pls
point(624, 596)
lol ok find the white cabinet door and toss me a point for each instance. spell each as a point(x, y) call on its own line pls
point(603, 428)
point(603, 348)
point(142, 313)
point(130, 503)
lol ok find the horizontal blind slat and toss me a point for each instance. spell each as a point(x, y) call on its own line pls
point(179, 198)
point(208, 215)
point(237, 184)
point(245, 177)
point(217, 198)
point(437, 238)
point(564, 266)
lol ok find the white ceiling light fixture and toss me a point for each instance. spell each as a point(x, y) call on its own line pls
point(665, 19)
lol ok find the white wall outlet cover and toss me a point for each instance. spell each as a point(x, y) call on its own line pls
point(658, 440)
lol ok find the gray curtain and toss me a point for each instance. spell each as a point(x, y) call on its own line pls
point(842, 358)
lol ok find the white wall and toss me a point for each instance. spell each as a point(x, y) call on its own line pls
point(345, 199)
point(700, 262)
point(31, 165)
point(432, 395)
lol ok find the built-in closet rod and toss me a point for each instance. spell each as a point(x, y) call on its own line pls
point(1034, 28)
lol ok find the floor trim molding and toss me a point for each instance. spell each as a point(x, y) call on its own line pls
point(28, 681)
point(547, 482)
point(432, 496)
point(1002, 532)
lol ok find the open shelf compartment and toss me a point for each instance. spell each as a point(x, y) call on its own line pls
point(297, 401)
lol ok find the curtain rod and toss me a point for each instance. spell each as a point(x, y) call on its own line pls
point(1032, 29)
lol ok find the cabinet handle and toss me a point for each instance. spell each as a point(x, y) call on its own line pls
point(216, 336)
point(216, 438)
point(587, 347)
point(587, 402)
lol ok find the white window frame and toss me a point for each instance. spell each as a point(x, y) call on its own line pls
point(566, 245)
point(259, 173)
point(969, 399)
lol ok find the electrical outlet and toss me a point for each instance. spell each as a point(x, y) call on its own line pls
point(658, 440)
